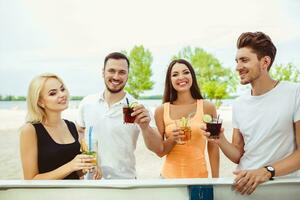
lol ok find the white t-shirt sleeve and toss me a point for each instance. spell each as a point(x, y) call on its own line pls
point(80, 118)
point(296, 116)
point(152, 123)
point(234, 115)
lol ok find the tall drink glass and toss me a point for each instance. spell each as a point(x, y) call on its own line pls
point(185, 130)
point(91, 149)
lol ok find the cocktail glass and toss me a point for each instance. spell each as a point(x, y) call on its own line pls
point(185, 130)
point(127, 110)
point(214, 128)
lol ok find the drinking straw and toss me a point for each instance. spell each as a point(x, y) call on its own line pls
point(218, 118)
point(127, 101)
point(90, 138)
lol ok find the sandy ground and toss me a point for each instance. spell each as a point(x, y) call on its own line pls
point(148, 164)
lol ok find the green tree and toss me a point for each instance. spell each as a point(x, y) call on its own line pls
point(216, 82)
point(9, 98)
point(76, 98)
point(290, 72)
point(140, 71)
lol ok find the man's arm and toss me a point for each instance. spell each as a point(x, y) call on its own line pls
point(81, 131)
point(80, 122)
point(152, 138)
point(247, 180)
point(235, 150)
point(292, 162)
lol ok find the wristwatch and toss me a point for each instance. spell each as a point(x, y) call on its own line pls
point(271, 170)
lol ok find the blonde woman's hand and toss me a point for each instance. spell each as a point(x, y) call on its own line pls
point(81, 162)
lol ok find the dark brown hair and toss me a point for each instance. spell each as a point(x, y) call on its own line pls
point(260, 43)
point(116, 56)
point(170, 94)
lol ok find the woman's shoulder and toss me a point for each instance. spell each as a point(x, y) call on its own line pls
point(208, 106)
point(27, 129)
point(159, 110)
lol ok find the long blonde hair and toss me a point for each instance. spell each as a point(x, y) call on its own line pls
point(36, 113)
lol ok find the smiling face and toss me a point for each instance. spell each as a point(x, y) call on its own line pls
point(115, 75)
point(181, 77)
point(249, 67)
point(54, 96)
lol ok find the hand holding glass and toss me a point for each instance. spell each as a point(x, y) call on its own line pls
point(214, 128)
point(185, 130)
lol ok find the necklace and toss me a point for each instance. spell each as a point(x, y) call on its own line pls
point(276, 83)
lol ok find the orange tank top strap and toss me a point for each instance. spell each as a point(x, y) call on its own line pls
point(199, 111)
point(167, 119)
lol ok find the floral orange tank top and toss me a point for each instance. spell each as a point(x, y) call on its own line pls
point(188, 160)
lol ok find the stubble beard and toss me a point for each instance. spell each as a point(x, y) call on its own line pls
point(252, 78)
point(114, 91)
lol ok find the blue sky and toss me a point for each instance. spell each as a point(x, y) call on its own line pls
point(72, 37)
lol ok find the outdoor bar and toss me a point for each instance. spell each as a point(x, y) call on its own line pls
point(176, 189)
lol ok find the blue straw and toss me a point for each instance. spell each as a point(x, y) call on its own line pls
point(90, 138)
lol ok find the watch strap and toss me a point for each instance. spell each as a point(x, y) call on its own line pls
point(271, 170)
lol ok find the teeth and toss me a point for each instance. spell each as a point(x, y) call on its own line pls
point(182, 83)
point(115, 83)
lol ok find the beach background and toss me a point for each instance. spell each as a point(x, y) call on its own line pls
point(148, 165)
point(72, 38)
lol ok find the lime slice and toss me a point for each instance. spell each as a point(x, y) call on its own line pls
point(133, 104)
point(207, 118)
point(183, 122)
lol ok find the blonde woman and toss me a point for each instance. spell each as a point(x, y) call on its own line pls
point(49, 144)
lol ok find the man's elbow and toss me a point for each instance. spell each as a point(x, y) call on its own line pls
point(157, 149)
point(160, 154)
point(237, 159)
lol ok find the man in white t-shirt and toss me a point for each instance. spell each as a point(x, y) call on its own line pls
point(104, 112)
point(266, 120)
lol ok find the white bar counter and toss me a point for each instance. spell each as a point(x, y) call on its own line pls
point(156, 189)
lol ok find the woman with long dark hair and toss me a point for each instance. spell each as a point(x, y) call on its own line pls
point(183, 100)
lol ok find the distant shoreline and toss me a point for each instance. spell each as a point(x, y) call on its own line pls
point(73, 98)
point(79, 98)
